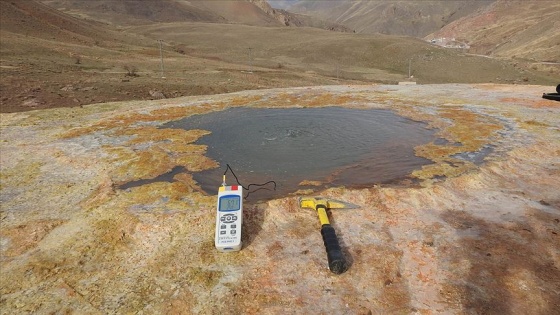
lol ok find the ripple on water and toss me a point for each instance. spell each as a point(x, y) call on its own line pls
point(332, 145)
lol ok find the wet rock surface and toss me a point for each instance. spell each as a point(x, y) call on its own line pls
point(469, 237)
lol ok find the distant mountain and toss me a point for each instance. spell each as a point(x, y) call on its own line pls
point(282, 4)
point(136, 12)
point(412, 18)
point(527, 29)
point(290, 19)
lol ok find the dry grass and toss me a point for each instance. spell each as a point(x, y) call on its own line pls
point(39, 68)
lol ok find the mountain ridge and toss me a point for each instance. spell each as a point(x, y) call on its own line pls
point(529, 29)
point(53, 59)
point(511, 29)
point(412, 18)
point(134, 12)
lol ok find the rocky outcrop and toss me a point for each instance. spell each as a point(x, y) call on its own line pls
point(282, 16)
point(292, 19)
point(409, 18)
point(263, 5)
point(511, 29)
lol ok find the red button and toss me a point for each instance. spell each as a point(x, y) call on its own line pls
point(233, 187)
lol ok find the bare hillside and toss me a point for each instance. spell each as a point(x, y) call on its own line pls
point(242, 12)
point(136, 12)
point(51, 59)
point(362, 57)
point(514, 29)
point(412, 18)
point(33, 19)
point(282, 4)
point(131, 12)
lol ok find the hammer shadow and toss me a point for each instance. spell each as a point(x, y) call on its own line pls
point(340, 235)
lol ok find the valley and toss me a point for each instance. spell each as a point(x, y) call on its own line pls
point(50, 59)
point(108, 201)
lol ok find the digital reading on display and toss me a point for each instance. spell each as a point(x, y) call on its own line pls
point(229, 203)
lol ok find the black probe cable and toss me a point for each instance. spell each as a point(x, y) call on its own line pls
point(261, 186)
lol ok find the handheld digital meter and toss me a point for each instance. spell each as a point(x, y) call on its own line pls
point(229, 218)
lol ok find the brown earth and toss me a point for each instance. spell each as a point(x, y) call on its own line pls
point(50, 59)
point(134, 12)
point(511, 29)
point(468, 239)
point(525, 30)
point(411, 18)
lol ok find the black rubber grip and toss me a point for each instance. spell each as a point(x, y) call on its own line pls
point(337, 263)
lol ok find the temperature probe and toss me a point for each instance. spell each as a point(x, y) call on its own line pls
point(229, 217)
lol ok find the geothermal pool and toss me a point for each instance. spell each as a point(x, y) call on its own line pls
point(67, 230)
point(328, 146)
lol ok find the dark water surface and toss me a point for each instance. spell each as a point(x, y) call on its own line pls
point(333, 145)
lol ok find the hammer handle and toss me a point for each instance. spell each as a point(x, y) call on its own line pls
point(337, 263)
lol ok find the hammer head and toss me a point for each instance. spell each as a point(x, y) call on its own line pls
point(313, 202)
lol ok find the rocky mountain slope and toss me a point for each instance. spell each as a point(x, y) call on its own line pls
point(133, 12)
point(53, 59)
point(34, 19)
point(501, 28)
point(282, 4)
point(291, 19)
point(413, 18)
point(513, 29)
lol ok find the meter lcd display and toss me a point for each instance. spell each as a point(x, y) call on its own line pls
point(229, 203)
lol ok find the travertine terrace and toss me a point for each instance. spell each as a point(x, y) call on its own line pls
point(459, 238)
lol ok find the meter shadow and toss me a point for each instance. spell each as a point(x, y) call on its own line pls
point(253, 219)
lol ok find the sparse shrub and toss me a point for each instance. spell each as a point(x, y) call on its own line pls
point(131, 71)
point(280, 66)
point(77, 58)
